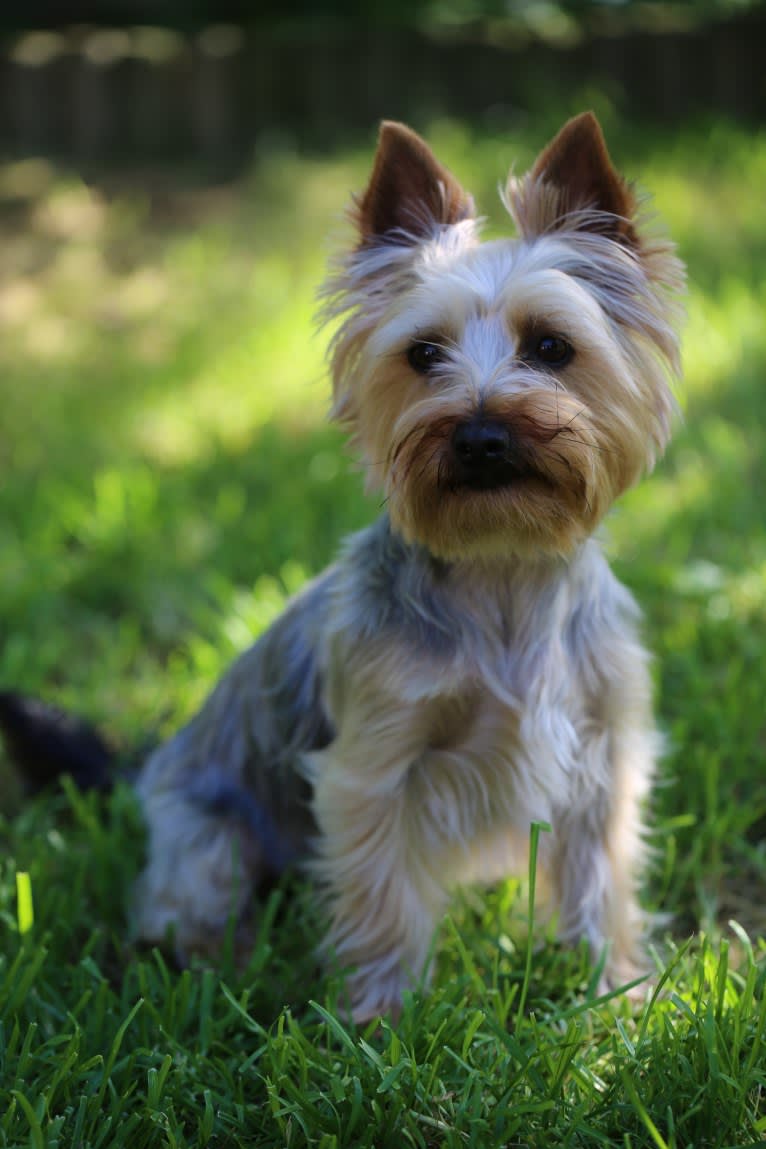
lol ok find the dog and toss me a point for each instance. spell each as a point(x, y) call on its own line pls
point(470, 665)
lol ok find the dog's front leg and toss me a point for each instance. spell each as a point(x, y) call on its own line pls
point(383, 901)
point(600, 847)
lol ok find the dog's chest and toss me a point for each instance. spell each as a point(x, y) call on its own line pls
point(468, 679)
point(504, 735)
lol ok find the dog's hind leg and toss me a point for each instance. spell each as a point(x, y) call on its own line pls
point(225, 810)
point(205, 860)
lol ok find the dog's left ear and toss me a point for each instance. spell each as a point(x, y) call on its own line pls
point(410, 194)
point(573, 183)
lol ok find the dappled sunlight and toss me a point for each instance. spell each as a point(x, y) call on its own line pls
point(71, 211)
point(254, 380)
point(738, 595)
point(703, 487)
point(52, 340)
point(139, 294)
point(20, 301)
point(703, 495)
point(648, 513)
point(724, 332)
point(25, 179)
point(184, 315)
point(238, 618)
point(199, 302)
point(707, 184)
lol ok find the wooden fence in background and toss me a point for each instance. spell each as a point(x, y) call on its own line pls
point(106, 94)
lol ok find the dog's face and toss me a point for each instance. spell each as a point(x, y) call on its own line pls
point(503, 394)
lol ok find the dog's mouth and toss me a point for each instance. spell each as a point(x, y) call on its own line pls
point(498, 475)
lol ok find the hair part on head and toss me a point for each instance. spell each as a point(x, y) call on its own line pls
point(410, 193)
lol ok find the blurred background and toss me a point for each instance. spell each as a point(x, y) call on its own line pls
point(196, 80)
point(173, 175)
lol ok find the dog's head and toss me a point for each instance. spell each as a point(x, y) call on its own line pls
point(502, 394)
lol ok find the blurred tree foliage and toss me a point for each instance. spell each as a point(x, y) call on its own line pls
point(537, 15)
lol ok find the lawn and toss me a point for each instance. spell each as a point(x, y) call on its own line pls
point(168, 478)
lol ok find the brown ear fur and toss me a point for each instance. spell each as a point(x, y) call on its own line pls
point(576, 166)
point(409, 190)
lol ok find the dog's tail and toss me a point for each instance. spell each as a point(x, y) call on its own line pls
point(44, 743)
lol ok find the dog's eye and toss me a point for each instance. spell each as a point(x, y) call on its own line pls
point(554, 350)
point(424, 356)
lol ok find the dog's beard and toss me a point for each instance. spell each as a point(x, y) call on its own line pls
point(545, 492)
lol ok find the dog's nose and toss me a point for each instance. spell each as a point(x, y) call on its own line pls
point(481, 442)
point(483, 455)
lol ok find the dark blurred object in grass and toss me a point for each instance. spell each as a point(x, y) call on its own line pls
point(47, 743)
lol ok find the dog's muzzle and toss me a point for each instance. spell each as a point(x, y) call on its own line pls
point(485, 455)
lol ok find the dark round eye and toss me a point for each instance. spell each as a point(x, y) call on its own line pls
point(554, 350)
point(424, 356)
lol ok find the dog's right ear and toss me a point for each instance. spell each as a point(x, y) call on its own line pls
point(410, 194)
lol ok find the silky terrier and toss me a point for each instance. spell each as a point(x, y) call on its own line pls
point(470, 665)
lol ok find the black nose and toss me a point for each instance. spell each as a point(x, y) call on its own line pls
point(483, 453)
point(481, 442)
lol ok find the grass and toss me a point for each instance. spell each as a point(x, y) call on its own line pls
point(168, 478)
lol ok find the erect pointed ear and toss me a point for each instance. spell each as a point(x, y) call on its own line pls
point(409, 192)
point(574, 174)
